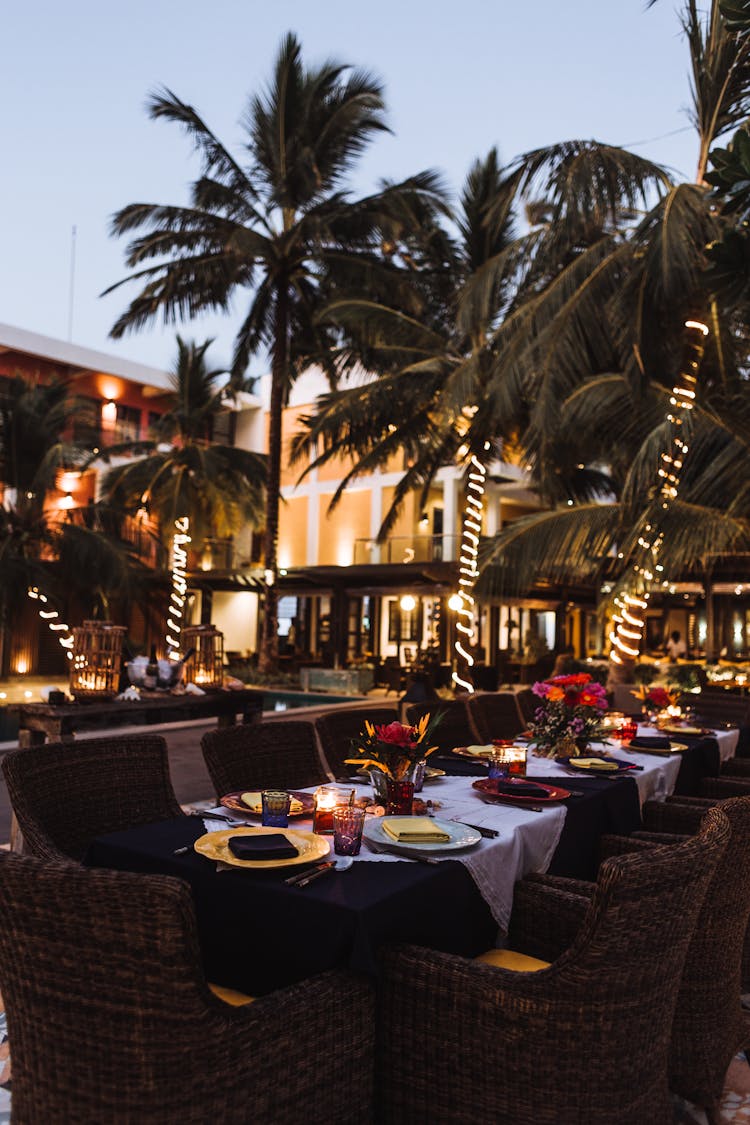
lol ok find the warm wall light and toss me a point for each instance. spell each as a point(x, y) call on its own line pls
point(67, 501)
point(109, 411)
point(455, 602)
point(408, 603)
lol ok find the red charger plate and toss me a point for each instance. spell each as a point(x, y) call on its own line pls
point(547, 793)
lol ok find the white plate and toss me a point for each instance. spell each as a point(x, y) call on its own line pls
point(461, 836)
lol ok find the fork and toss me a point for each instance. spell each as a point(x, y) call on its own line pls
point(220, 816)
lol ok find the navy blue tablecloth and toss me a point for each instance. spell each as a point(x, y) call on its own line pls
point(258, 935)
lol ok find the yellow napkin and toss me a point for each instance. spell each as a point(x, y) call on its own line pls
point(414, 830)
point(254, 802)
point(595, 763)
point(480, 751)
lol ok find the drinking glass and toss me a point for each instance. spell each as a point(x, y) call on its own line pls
point(400, 798)
point(276, 804)
point(348, 822)
point(499, 762)
point(518, 761)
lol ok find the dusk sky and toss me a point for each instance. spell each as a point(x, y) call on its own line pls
point(459, 77)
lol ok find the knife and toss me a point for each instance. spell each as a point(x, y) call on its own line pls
point(488, 833)
point(316, 874)
point(298, 875)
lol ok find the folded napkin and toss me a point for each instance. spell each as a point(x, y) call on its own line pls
point(269, 845)
point(650, 742)
point(523, 789)
point(595, 764)
point(414, 830)
point(480, 751)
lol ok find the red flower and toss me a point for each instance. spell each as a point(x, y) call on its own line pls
point(660, 697)
point(396, 734)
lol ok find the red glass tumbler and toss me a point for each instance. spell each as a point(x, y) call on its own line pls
point(400, 798)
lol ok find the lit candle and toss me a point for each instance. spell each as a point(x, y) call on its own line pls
point(327, 798)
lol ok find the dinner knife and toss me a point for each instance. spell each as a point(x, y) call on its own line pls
point(318, 868)
point(323, 870)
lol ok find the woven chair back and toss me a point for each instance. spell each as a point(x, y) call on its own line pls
point(336, 730)
point(709, 1027)
point(455, 727)
point(257, 756)
point(495, 715)
point(64, 794)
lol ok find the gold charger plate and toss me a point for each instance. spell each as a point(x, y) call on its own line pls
point(674, 748)
point(474, 751)
point(683, 730)
point(214, 845)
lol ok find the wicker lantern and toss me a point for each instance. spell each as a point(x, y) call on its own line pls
point(205, 665)
point(97, 659)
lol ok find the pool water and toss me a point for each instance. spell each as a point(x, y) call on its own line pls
point(289, 700)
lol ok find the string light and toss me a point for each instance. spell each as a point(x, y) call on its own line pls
point(176, 609)
point(629, 623)
point(463, 600)
point(52, 620)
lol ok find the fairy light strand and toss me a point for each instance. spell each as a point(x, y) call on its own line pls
point(468, 572)
point(630, 608)
point(51, 618)
point(177, 598)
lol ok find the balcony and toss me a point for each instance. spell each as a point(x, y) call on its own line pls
point(407, 549)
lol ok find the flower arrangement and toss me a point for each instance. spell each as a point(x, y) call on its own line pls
point(657, 697)
point(394, 748)
point(569, 714)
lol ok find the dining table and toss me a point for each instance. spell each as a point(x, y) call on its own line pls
point(258, 933)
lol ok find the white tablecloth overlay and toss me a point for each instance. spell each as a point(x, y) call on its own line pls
point(527, 840)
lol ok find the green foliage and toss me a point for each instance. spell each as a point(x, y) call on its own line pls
point(645, 673)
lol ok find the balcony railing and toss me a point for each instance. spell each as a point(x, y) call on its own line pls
point(406, 549)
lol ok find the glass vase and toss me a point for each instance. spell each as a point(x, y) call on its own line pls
point(379, 786)
point(400, 797)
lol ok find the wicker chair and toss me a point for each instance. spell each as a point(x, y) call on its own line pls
point(455, 727)
point(709, 1025)
point(336, 729)
point(496, 715)
point(680, 816)
point(261, 755)
point(110, 1018)
point(583, 1041)
point(64, 794)
point(527, 704)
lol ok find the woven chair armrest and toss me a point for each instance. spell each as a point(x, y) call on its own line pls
point(547, 914)
point(668, 816)
point(661, 838)
point(722, 787)
point(560, 882)
point(293, 1018)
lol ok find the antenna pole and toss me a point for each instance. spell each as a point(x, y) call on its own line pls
point(72, 283)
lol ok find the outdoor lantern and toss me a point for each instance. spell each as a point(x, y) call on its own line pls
point(205, 663)
point(97, 659)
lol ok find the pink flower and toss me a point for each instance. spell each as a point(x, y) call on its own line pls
point(395, 734)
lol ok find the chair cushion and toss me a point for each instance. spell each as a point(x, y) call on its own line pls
point(509, 959)
point(230, 995)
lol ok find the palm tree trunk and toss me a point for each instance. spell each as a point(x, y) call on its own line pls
point(269, 649)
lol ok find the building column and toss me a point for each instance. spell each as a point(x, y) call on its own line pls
point(451, 533)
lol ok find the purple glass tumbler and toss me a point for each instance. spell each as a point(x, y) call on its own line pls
point(348, 822)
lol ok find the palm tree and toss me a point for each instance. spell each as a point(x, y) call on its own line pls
point(278, 225)
point(36, 548)
point(608, 353)
point(180, 471)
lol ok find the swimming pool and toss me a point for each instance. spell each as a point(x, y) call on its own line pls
point(290, 700)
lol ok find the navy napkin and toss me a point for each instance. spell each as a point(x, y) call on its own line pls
point(649, 742)
point(271, 845)
point(521, 790)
